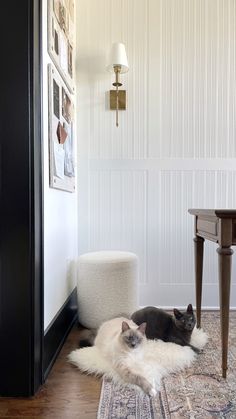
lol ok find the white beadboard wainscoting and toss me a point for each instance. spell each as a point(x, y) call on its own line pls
point(175, 147)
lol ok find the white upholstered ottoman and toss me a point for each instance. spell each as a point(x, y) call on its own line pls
point(106, 286)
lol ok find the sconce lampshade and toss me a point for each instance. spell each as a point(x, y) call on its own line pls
point(118, 57)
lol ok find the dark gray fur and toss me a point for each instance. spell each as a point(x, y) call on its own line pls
point(161, 325)
point(87, 337)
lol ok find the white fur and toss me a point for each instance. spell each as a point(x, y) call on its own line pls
point(199, 338)
point(155, 360)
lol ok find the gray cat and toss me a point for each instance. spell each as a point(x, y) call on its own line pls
point(161, 325)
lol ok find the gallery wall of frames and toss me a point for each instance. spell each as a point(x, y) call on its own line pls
point(61, 48)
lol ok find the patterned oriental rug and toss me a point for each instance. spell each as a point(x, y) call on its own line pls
point(197, 392)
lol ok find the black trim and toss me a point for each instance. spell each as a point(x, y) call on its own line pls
point(21, 269)
point(37, 197)
point(58, 330)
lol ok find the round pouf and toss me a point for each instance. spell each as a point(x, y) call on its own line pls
point(107, 286)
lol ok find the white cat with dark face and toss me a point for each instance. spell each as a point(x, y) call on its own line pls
point(123, 343)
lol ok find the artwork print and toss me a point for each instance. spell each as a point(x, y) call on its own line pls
point(61, 33)
point(61, 133)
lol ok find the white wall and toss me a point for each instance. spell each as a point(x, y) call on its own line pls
point(60, 220)
point(175, 147)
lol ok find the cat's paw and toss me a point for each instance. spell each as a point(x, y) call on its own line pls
point(152, 392)
point(198, 351)
point(195, 349)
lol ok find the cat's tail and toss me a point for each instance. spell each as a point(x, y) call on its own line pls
point(87, 337)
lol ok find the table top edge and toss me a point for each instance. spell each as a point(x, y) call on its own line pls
point(220, 213)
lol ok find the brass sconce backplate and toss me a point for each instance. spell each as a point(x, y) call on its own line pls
point(121, 100)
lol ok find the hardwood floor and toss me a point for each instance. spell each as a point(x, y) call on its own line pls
point(67, 394)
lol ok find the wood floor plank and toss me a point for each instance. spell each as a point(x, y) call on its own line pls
point(67, 393)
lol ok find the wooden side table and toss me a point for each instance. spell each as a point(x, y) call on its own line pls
point(218, 226)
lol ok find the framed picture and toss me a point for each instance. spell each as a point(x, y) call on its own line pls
point(61, 133)
point(61, 17)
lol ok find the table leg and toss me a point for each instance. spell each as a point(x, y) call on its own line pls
point(225, 262)
point(198, 253)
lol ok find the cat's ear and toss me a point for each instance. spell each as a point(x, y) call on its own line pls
point(125, 327)
point(190, 309)
point(177, 314)
point(142, 328)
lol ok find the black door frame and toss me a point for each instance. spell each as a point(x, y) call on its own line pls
point(21, 200)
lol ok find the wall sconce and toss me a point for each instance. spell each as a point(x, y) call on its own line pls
point(118, 64)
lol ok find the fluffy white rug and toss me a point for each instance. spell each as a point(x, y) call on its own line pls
point(160, 358)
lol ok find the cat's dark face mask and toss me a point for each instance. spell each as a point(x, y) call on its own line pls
point(132, 341)
point(132, 338)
